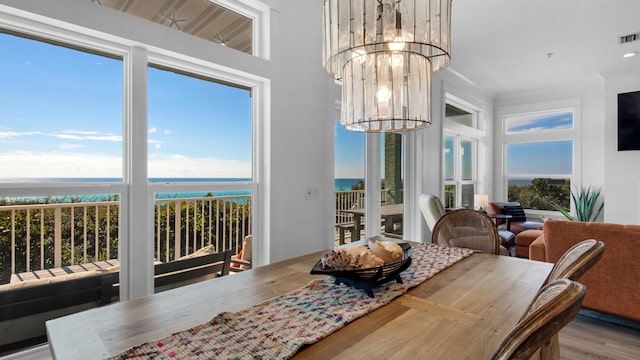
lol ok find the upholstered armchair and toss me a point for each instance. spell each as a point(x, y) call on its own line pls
point(432, 209)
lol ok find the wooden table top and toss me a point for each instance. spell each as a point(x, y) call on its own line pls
point(461, 313)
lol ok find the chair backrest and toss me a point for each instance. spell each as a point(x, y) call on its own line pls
point(432, 209)
point(553, 307)
point(467, 228)
point(182, 272)
point(577, 260)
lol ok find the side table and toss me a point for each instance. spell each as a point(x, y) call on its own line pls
point(506, 218)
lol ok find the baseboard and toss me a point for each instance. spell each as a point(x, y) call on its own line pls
point(610, 318)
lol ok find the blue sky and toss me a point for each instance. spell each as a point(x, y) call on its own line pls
point(541, 158)
point(62, 116)
point(539, 121)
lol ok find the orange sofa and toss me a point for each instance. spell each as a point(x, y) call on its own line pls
point(613, 284)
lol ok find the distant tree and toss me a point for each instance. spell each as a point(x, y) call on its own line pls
point(540, 195)
point(358, 185)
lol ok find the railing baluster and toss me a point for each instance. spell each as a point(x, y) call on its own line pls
point(178, 230)
point(186, 230)
point(202, 224)
point(57, 237)
point(210, 224)
point(73, 235)
point(28, 242)
point(168, 232)
point(84, 234)
point(13, 241)
point(108, 233)
point(97, 246)
point(41, 238)
point(158, 232)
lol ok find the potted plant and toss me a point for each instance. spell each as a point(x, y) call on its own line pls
point(585, 201)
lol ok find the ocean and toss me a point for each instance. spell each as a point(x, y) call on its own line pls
point(340, 184)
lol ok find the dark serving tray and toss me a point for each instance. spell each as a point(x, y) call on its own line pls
point(368, 278)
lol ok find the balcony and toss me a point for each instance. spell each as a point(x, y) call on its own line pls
point(39, 237)
point(50, 236)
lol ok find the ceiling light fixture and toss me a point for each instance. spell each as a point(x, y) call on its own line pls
point(630, 54)
point(385, 51)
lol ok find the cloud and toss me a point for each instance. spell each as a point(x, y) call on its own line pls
point(156, 143)
point(26, 164)
point(9, 134)
point(184, 166)
point(166, 132)
point(153, 130)
point(66, 135)
point(70, 146)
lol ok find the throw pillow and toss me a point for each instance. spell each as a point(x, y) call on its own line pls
point(516, 211)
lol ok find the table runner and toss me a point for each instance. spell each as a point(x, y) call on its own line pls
point(277, 328)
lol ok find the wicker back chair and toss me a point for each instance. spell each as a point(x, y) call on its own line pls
point(469, 229)
point(553, 307)
point(577, 260)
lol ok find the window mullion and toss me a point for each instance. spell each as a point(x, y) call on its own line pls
point(136, 277)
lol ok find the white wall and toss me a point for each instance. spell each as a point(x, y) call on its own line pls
point(299, 113)
point(622, 168)
point(302, 133)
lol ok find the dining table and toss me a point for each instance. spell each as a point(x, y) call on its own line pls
point(391, 214)
point(462, 312)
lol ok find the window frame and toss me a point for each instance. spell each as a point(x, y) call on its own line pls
point(475, 134)
point(503, 139)
point(136, 194)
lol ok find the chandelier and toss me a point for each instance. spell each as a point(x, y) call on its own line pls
point(385, 51)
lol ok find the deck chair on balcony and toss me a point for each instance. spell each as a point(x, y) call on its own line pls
point(469, 229)
point(577, 260)
point(191, 269)
point(553, 307)
point(242, 261)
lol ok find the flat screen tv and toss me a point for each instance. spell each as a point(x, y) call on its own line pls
point(629, 121)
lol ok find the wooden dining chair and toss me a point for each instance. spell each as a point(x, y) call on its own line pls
point(553, 307)
point(577, 260)
point(467, 228)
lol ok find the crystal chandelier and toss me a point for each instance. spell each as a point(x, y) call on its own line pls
point(385, 51)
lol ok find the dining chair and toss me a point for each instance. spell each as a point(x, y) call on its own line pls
point(469, 229)
point(577, 260)
point(432, 209)
point(553, 307)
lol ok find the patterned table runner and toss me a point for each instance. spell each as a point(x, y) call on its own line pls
point(277, 328)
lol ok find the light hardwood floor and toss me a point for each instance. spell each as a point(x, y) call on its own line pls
point(589, 338)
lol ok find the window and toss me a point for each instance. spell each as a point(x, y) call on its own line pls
point(60, 117)
point(460, 154)
point(200, 134)
point(459, 159)
point(539, 158)
point(349, 173)
point(72, 177)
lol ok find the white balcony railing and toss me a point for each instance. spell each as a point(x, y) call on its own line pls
point(43, 236)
